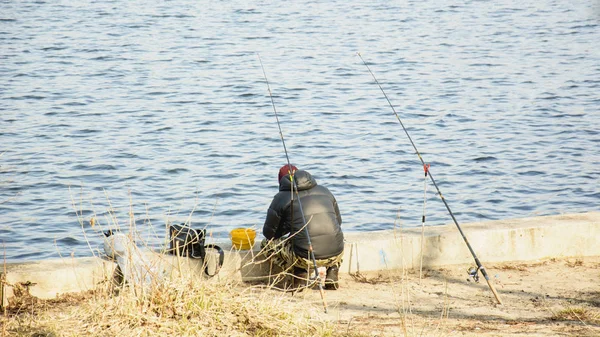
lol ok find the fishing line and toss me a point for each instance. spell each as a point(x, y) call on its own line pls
point(479, 265)
point(294, 185)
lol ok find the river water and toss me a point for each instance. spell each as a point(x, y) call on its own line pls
point(145, 113)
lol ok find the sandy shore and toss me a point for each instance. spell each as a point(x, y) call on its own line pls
point(546, 298)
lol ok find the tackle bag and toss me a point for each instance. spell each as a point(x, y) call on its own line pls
point(190, 242)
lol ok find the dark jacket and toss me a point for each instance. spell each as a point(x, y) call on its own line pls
point(320, 211)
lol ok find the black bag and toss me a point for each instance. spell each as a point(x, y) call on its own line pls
point(190, 242)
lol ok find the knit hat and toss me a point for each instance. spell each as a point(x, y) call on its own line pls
point(285, 170)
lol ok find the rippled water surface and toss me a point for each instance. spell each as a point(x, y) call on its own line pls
point(160, 112)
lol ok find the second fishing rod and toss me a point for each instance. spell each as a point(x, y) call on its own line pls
point(294, 188)
point(428, 172)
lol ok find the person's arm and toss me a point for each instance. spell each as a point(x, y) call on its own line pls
point(337, 211)
point(271, 224)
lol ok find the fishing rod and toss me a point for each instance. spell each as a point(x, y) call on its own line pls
point(428, 171)
point(295, 185)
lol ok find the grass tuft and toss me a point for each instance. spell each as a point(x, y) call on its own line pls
point(581, 314)
point(179, 307)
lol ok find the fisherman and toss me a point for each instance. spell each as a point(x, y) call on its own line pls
point(286, 238)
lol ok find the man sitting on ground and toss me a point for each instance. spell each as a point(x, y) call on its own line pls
point(285, 231)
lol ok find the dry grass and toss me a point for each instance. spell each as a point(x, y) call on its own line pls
point(581, 314)
point(178, 305)
point(181, 307)
point(578, 262)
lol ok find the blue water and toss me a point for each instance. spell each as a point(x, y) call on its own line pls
point(143, 113)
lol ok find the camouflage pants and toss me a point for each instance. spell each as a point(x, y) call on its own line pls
point(282, 254)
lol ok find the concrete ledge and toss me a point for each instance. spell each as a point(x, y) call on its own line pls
point(526, 239)
point(49, 278)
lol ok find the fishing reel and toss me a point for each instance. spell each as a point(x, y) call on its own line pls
point(473, 274)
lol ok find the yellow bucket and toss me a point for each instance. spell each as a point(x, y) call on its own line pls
point(243, 238)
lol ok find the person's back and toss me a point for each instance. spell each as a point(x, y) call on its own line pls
point(320, 210)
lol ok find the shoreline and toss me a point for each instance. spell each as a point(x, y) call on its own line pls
point(548, 281)
point(511, 240)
